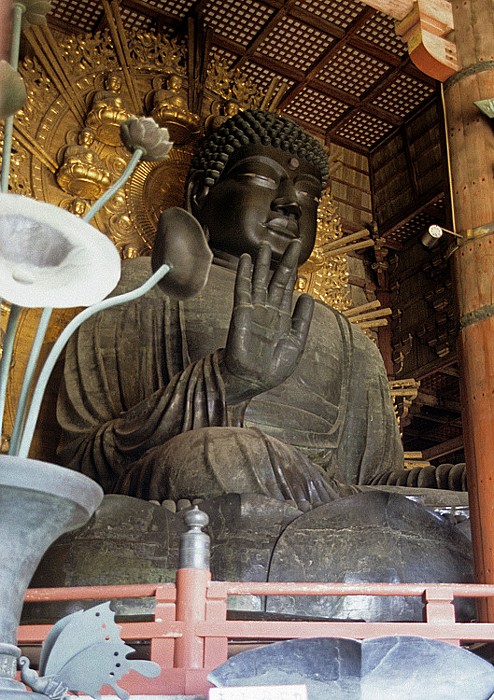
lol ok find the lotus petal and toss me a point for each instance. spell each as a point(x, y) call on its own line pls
point(12, 90)
point(144, 133)
point(50, 257)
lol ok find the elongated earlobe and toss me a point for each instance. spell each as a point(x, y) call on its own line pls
point(195, 194)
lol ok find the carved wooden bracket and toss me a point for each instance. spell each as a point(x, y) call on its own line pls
point(427, 27)
point(429, 32)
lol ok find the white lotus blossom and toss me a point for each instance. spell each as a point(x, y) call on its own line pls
point(51, 258)
point(144, 133)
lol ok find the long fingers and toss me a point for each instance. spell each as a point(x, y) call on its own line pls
point(301, 319)
point(242, 294)
point(283, 279)
point(261, 274)
point(253, 283)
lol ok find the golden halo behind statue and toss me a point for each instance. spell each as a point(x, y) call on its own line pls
point(154, 187)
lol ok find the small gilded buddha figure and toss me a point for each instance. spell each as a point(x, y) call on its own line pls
point(108, 111)
point(170, 110)
point(219, 114)
point(82, 172)
point(77, 206)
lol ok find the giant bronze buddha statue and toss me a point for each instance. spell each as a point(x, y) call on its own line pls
point(247, 387)
point(265, 405)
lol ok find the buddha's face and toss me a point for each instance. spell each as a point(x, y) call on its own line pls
point(113, 83)
point(174, 82)
point(86, 137)
point(263, 195)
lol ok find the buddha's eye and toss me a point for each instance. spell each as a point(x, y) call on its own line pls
point(257, 179)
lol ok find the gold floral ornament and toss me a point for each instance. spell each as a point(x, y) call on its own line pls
point(143, 133)
point(12, 90)
point(51, 258)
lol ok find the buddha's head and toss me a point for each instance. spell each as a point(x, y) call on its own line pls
point(257, 179)
point(174, 82)
point(113, 82)
point(86, 137)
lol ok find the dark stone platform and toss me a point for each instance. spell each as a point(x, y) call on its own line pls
point(373, 536)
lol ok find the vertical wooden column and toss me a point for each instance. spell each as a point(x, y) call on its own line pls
point(471, 141)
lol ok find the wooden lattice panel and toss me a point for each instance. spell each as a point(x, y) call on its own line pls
point(380, 30)
point(440, 433)
point(364, 129)
point(225, 56)
point(134, 20)
point(80, 15)
point(340, 13)
point(315, 108)
point(439, 382)
point(403, 95)
point(224, 19)
point(177, 8)
point(353, 71)
point(411, 230)
point(438, 209)
point(262, 76)
point(295, 44)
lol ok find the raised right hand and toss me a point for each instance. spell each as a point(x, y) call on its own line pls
point(265, 339)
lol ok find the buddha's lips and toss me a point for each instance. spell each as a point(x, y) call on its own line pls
point(283, 225)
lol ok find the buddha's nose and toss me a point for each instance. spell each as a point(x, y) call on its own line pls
point(286, 200)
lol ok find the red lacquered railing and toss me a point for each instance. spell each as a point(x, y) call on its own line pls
point(190, 634)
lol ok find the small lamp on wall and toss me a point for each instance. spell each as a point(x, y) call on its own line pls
point(434, 233)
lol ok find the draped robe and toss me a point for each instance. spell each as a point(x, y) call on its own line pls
point(143, 410)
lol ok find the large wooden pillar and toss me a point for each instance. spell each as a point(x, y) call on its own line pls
point(471, 142)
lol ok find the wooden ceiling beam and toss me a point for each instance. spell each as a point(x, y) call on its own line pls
point(58, 25)
point(444, 448)
point(319, 23)
point(346, 143)
point(326, 58)
point(248, 52)
point(266, 62)
point(374, 50)
point(424, 399)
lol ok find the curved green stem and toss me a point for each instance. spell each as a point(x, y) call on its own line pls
point(28, 378)
point(8, 347)
point(106, 196)
point(45, 373)
point(19, 10)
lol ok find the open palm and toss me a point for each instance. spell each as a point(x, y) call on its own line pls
point(265, 339)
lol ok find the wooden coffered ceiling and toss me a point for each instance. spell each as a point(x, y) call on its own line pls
point(348, 76)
